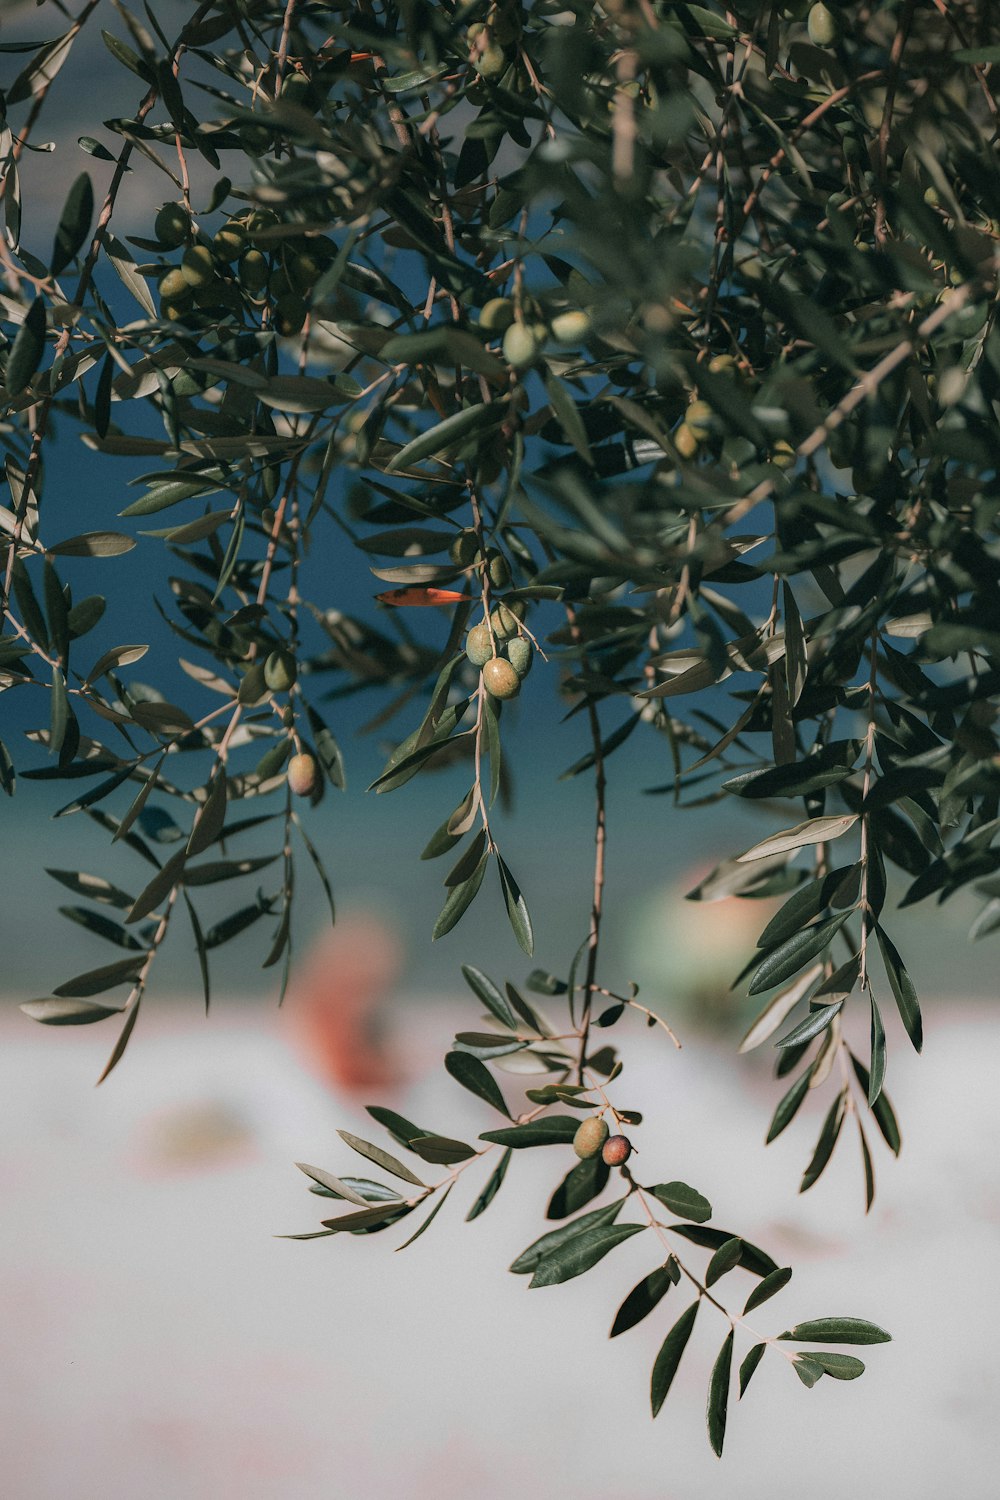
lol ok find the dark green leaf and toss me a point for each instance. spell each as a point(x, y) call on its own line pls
point(530, 1259)
point(770, 1285)
point(485, 990)
point(669, 1356)
point(718, 1395)
point(816, 1021)
point(66, 1012)
point(477, 1078)
point(29, 346)
point(790, 956)
point(837, 1331)
point(380, 1158)
point(641, 1300)
point(460, 898)
point(725, 1259)
point(550, 1130)
point(683, 1200)
point(74, 223)
point(749, 1365)
point(581, 1253)
point(902, 988)
point(492, 1187)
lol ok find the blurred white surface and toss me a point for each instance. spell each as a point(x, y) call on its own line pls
point(157, 1342)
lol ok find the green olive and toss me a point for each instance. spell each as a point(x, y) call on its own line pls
point(228, 241)
point(253, 271)
point(782, 454)
point(289, 314)
point(479, 645)
point(521, 346)
point(699, 418)
point(520, 655)
point(303, 271)
point(280, 671)
point(303, 775)
point(506, 618)
point(686, 441)
point(822, 26)
point(499, 569)
point(172, 225)
point(590, 1137)
point(722, 364)
point(492, 61)
point(175, 287)
point(570, 327)
point(496, 315)
point(464, 549)
point(198, 266)
point(500, 679)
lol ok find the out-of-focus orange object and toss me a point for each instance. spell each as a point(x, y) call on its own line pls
point(334, 1002)
point(419, 596)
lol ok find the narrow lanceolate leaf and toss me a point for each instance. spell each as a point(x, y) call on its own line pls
point(793, 954)
point(902, 989)
point(441, 1149)
point(768, 1287)
point(517, 909)
point(530, 1259)
point(380, 1158)
point(641, 1300)
point(827, 1140)
point(684, 1201)
point(29, 346)
point(477, 1078)
point(749, 1365)
point(725, 1259)
point(582, 1253)
point(66, 1012)
point(718, 1395)
point(778, 1008)
point(211, 817)
point(882, 1110)
point(159, 887)
point(877, 1071)
point(97, 981)
point(460, 898)
point(550, 1130)
point(93, 544)
point(669, 1357)
point(580, 1186)
point(815, 831)
point(493, 1185)
point(74, 223)
point(453, 430)
point(335, 1185)
point(442, 1200)
point(364, 1218)
point(486, 991)
point(839, 1366)
point(837, 1331)
point(788, 1106)
point(815, 1022)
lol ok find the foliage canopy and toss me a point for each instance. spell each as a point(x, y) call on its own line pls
point(656, 340)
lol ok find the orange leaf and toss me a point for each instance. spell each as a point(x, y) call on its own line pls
point(420, 596)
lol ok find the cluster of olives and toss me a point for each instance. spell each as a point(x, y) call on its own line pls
point(696, 425)
point(524, 337)
point(498, 649)
point(593, 1138)
point(490, 42)
point(201, 279)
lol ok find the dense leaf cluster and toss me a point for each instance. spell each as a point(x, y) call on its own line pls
point(655, 340)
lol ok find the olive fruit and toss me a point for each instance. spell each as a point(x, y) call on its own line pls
point(253, 271)
point(590, 1137)
point(198, 265)
point(616, 1150)
point(303, 270)
point(500, 678)
point(464, 549)
point(228, 241)
point(175, 287)
point(499, 569)
point(782, 454)
point(280, 671)
point(497, 315)
point(686, 441)
point(570, 327)
point(520, 654)
point(521, 346)
point(172, 225)
point(289, 314)
point(722, 364)
point(506, 618)
point(492, 61)
point(699, 418)
point(303, 775)
point(479, 645)
point(821, 24)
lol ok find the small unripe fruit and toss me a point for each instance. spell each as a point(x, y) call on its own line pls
point(255, 138)
point(499, 569)
point(616, 1150)
point(497, 315)
point(474, 31)
point(822, 26)
point(570, 327)
point(175, 287)
point(228, 241)
point(722, 364)
point(492, 61)
point(500, 678)
point(520, 346)
point(520, 656)
point(590, 1137)
point(198, 265)
point(289, 314)
point(782, 454)
point(280, 671)
point(172, 225)
point(304, 271)
point(505, 620)
point(464, 549)
point(303, 774)
point(478, 645)
point(686, 441)
point(253, 271)
point(699, 418)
